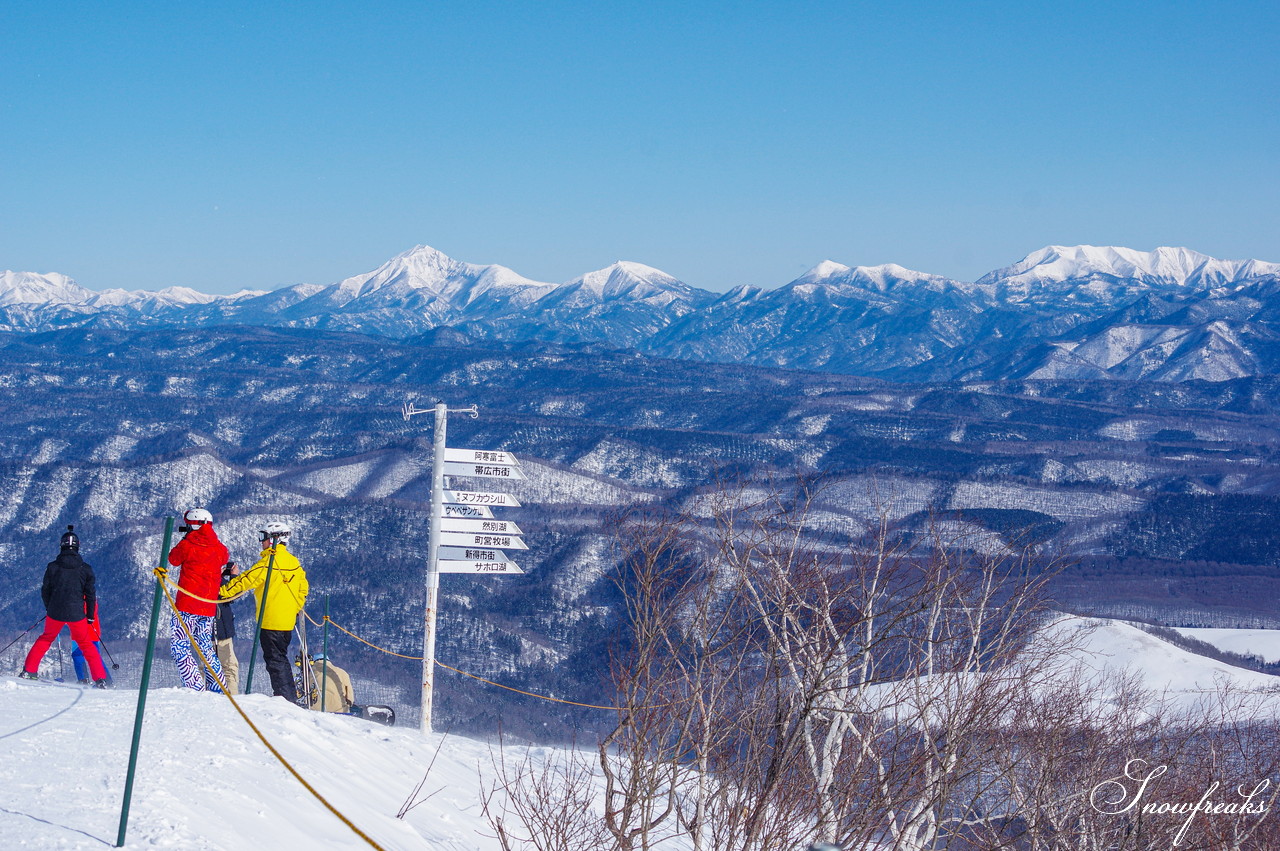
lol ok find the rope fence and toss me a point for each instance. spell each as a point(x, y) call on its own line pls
point(339, 626)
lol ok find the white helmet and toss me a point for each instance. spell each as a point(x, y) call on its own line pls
point(197, 517)
point(276, 530)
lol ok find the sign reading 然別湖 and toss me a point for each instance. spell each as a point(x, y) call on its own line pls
point(488, 527)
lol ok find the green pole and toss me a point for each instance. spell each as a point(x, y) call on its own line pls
point(142, 687)
point(324, 642)
point(262, 610)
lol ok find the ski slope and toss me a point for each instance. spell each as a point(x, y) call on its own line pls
point(205, 781)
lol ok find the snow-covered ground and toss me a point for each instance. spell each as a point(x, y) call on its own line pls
point(1161, 667)
point(205, 781)
point(1258, 642)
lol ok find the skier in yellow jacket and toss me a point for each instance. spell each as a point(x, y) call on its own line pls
point(285, 596)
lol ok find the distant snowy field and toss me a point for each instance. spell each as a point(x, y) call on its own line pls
point(1258, 642)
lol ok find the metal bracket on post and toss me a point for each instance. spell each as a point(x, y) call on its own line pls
point(409, 410)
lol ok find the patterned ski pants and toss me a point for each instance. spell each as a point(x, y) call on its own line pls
point(193, 674)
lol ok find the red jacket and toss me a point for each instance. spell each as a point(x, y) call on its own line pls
point(201, 556)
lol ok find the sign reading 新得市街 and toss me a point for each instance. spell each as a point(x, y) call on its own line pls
point(471, 554)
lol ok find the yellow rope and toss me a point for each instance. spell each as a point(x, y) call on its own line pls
point(529, 693)
point(370, 643)
point(164, 579)
point(159, 577)
point(465, 674)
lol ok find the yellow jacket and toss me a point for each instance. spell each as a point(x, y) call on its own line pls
point(288, 591)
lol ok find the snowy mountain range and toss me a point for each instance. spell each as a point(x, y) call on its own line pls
point(1061, 312)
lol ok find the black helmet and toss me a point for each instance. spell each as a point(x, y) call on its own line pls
point(70, 540)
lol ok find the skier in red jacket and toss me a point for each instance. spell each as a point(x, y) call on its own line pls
point(200, 557)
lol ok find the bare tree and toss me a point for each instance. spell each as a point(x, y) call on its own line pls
point(548, 802)
point(781, 682)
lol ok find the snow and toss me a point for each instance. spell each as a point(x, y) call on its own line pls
point(548, 485)
point(881, 279)
point(1183, 676)
point(205, 781)
point(1247, 642)
point(1171, 266)
point(874, 496)
point(425, 268)
point(1066, 505)
point(825, 269)
point(31, 288)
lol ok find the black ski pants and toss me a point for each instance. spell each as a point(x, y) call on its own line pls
point(275, 653)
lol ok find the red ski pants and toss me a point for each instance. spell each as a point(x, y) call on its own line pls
point(80, 634)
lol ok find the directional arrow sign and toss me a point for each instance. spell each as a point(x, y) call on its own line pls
point(470, 554)
point(480, 456)
point(500, 527)
point(467, 539)
point(481, 498)
point(486, 471)
point(477, 567)
point(477, 512)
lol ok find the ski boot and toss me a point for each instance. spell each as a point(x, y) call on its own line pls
point(28, 676)
point(100, 684)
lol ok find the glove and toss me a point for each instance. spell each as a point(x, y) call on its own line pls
point(162, 572)
point(90, 621)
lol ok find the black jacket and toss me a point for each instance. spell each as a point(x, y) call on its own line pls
point(69, 588)
point(225, 625)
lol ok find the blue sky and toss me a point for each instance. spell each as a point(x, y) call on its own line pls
point(149, 145)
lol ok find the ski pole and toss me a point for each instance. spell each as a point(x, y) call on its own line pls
point(324, 669)
point(115, 666)
point(22, 635)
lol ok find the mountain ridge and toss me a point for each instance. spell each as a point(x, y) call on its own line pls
point(884, 321)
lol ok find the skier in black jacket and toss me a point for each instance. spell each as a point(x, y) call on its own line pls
point(68, 593)
point(224, 634)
